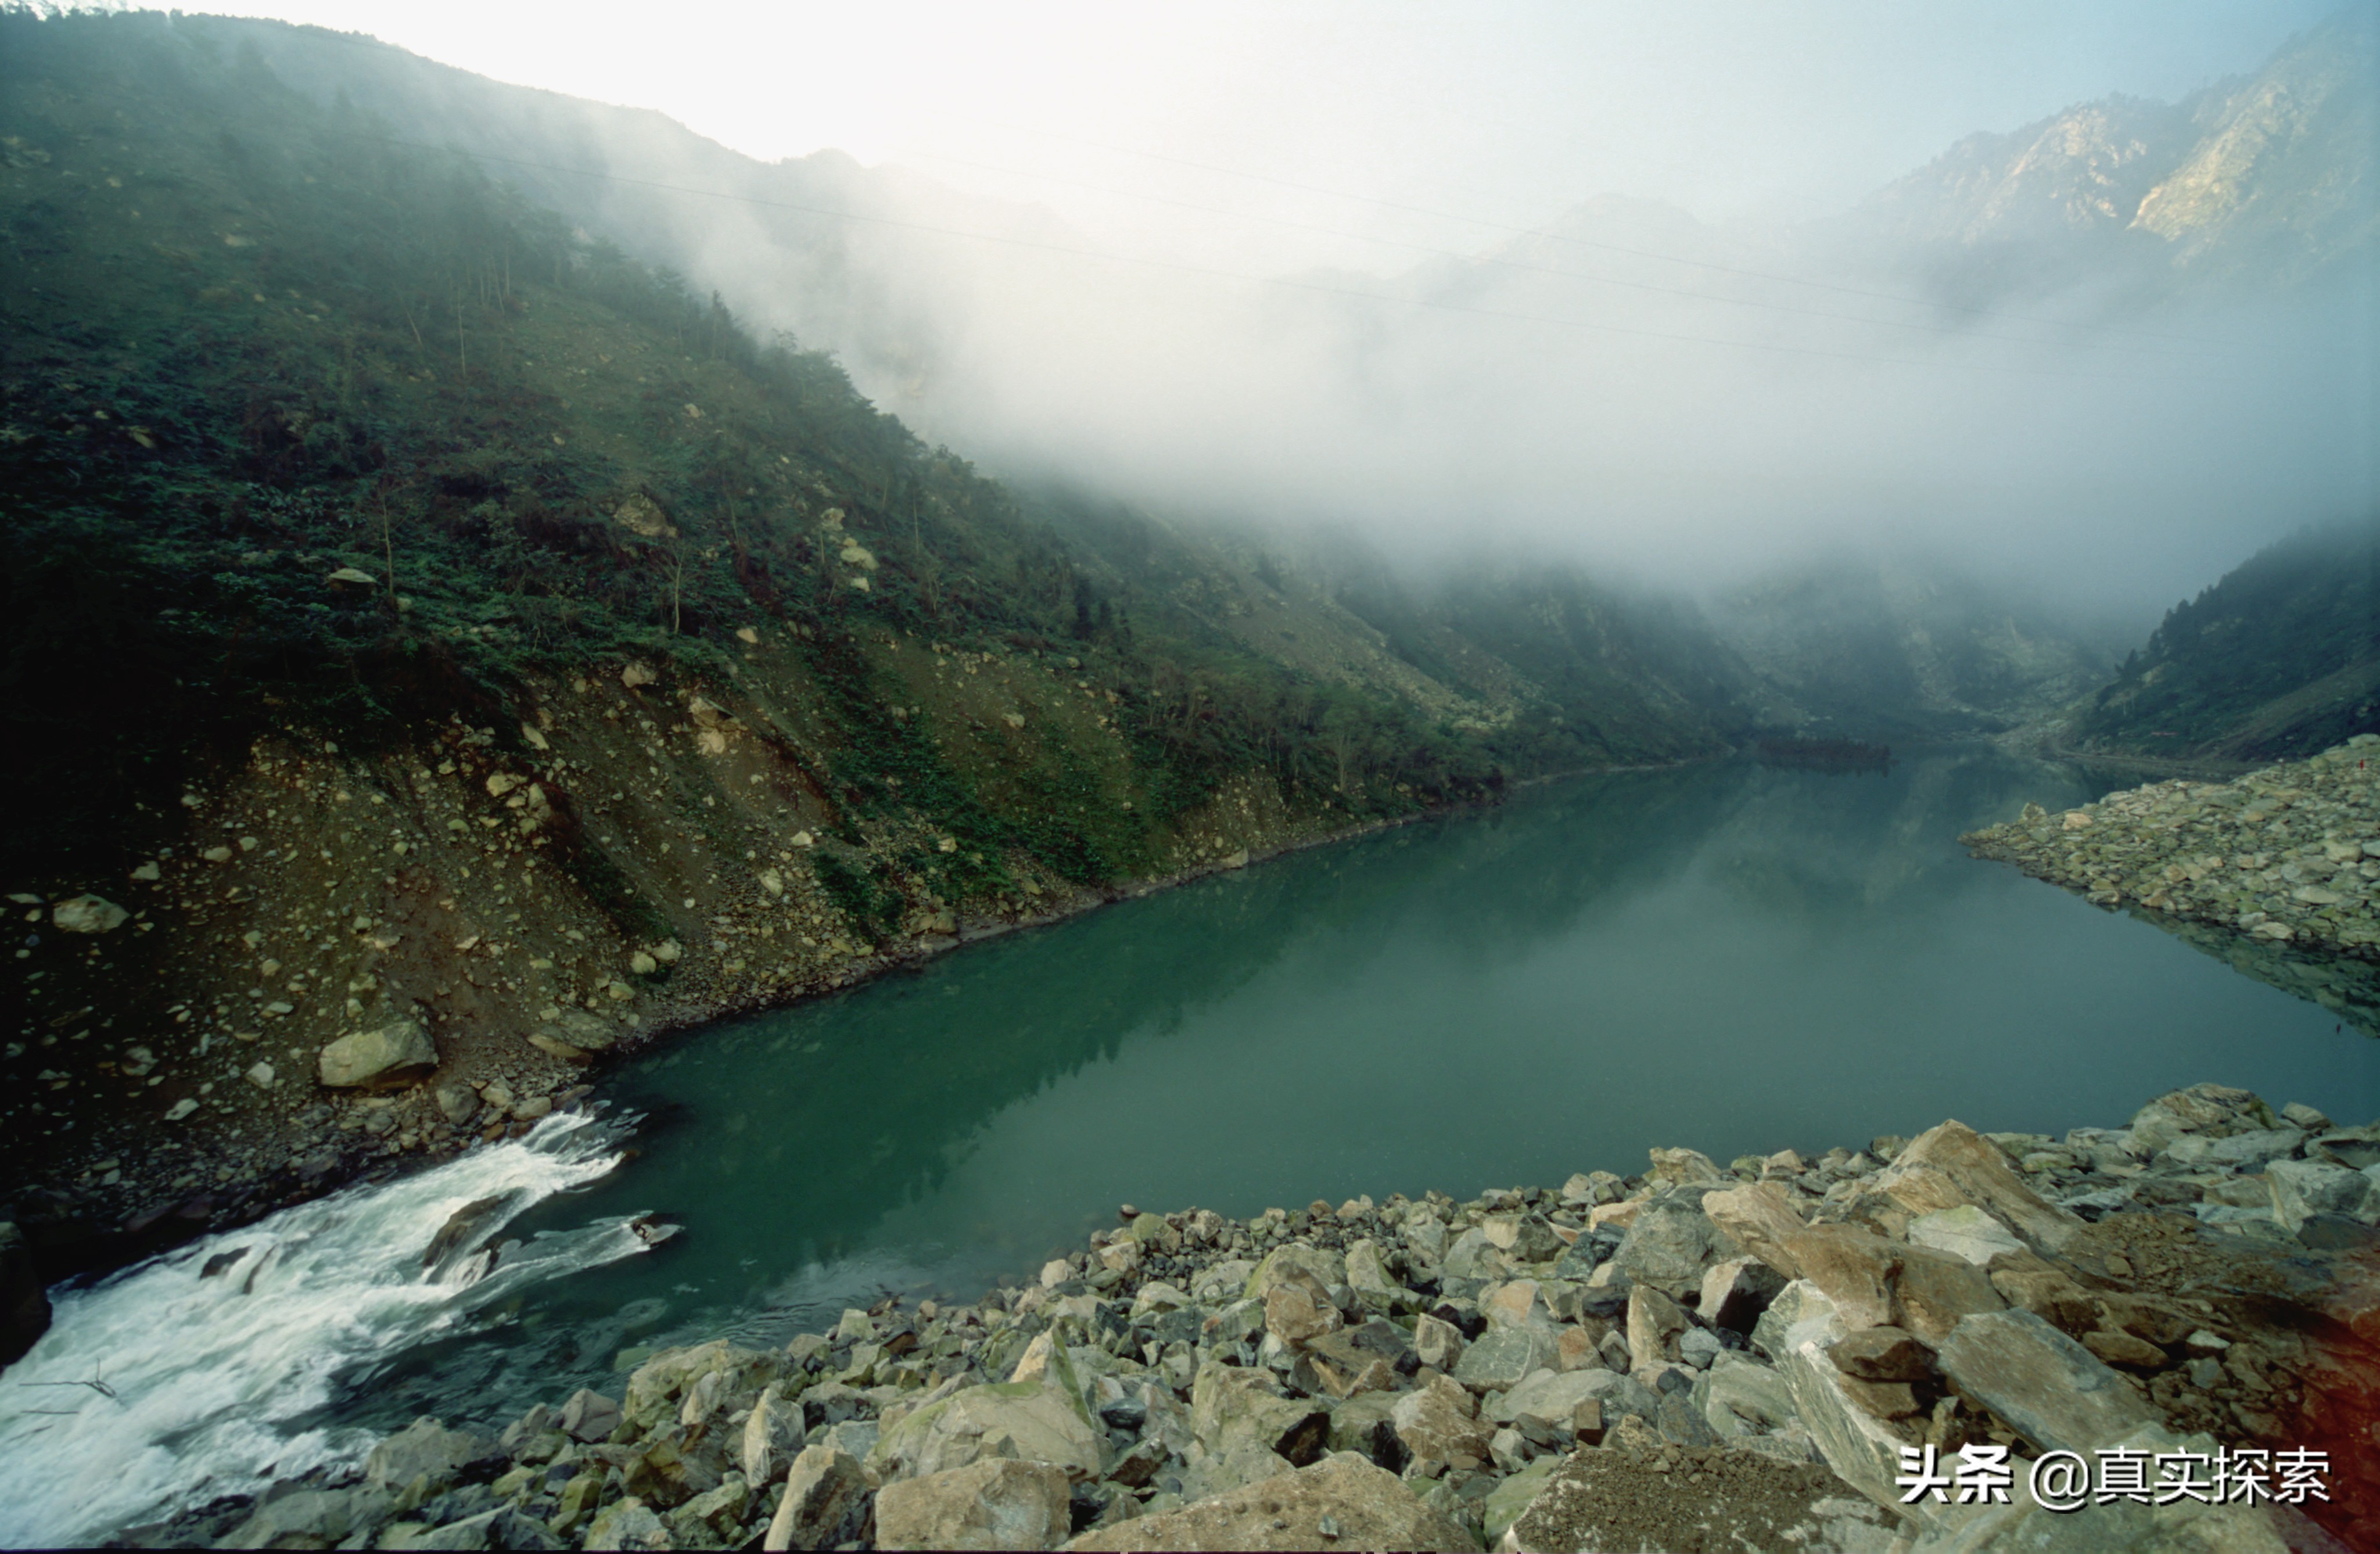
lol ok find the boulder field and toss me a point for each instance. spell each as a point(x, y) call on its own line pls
point(1695, 1356)
point(2289, 854)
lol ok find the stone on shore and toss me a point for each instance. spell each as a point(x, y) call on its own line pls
point(826, 1501)
point(393, 1054)
point(87, 914)
point(990, 1503)
point(424, 1449)
point(1340, 1502)
point(2047, 1388)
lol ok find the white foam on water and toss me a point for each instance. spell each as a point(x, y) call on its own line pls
point(199, 1380)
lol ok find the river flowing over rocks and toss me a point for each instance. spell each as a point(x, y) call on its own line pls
point(2289, 854)
point(1697, 1355)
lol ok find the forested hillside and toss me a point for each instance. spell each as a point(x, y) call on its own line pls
point(2280, 659)
point(422, 617)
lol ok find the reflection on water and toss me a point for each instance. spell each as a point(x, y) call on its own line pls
point(2349, 988)
point(1733, 957)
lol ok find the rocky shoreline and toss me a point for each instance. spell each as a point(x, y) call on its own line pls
point(1698, 1355)
point(2289, 854)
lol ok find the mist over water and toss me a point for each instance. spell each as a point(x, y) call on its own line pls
point(1988, 362)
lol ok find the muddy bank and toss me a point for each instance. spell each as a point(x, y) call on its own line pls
point(1739, 1351)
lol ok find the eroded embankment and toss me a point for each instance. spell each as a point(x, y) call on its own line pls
point(325, 963)
point(1696, 1355)
point(2289, 854)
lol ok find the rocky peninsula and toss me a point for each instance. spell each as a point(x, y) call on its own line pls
point(2289, 854)
point(1695, 1356)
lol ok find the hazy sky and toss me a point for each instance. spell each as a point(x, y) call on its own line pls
point(1140, 123)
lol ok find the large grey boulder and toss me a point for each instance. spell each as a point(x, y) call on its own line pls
point(1500, 1360)
point(2041, 1383)
point(395, 1053)
point(1040, 1417)
point(1232, 1410)
point(424, 1449)
point(993, 1502)
point(1738, 1394)
point(2301, 1189)
point(313, 1519)
point(1440, 1423)
point(774, 1436)
point(87, 914)
point(1674, 1243)
point(1365, 1507)
point(826, 1501)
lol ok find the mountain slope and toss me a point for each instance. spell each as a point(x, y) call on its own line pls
point(2280, 659)
point(424, 618)
point(1895, 647)
point(2268, 180)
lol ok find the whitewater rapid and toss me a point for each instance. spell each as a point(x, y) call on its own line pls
point(164, 1386)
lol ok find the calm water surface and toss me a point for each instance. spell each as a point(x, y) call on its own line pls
point(1731, 957)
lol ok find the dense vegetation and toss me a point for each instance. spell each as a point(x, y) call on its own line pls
point(301, 427)
point(2281, 658)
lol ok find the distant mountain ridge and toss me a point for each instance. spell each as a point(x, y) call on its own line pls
point(2268, 177)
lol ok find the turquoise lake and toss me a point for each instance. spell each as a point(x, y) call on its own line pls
point(1730, 957)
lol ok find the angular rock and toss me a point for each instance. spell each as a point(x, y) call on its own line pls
point(1951, 1165)
point(1440, 1423)
point(1298, 1308)
point(2041, 1383)
point(589, 1416)
point(1526, 1238)
point(312, 1519)
point(1230, 1410)
point(1759, 1218)
point(1932, 1290)
point(424, 1449)
point(1966, 1232)
point(826, 1501)
point(1882, 1355)
point(774, 1436)
point(991, 1503)
point(625, 1524)
point(1365, 1506)
point(1042, 1419)
point(1327, 1268)
point(1655, 1322)
point(1674, 1243)
point(1438, 1343)
point(87, 914)
point(2301, 1189)
point(394, 1054)
point(1500, 1360)
point(1736, 1292)
point(1367, 1275)
point(1552, 1397)
point(1862, 1450)
point(1737, 1387)
point(1684, 1168)
point(1852, 1267)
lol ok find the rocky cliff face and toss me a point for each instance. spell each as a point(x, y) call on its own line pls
point(2270, 179)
